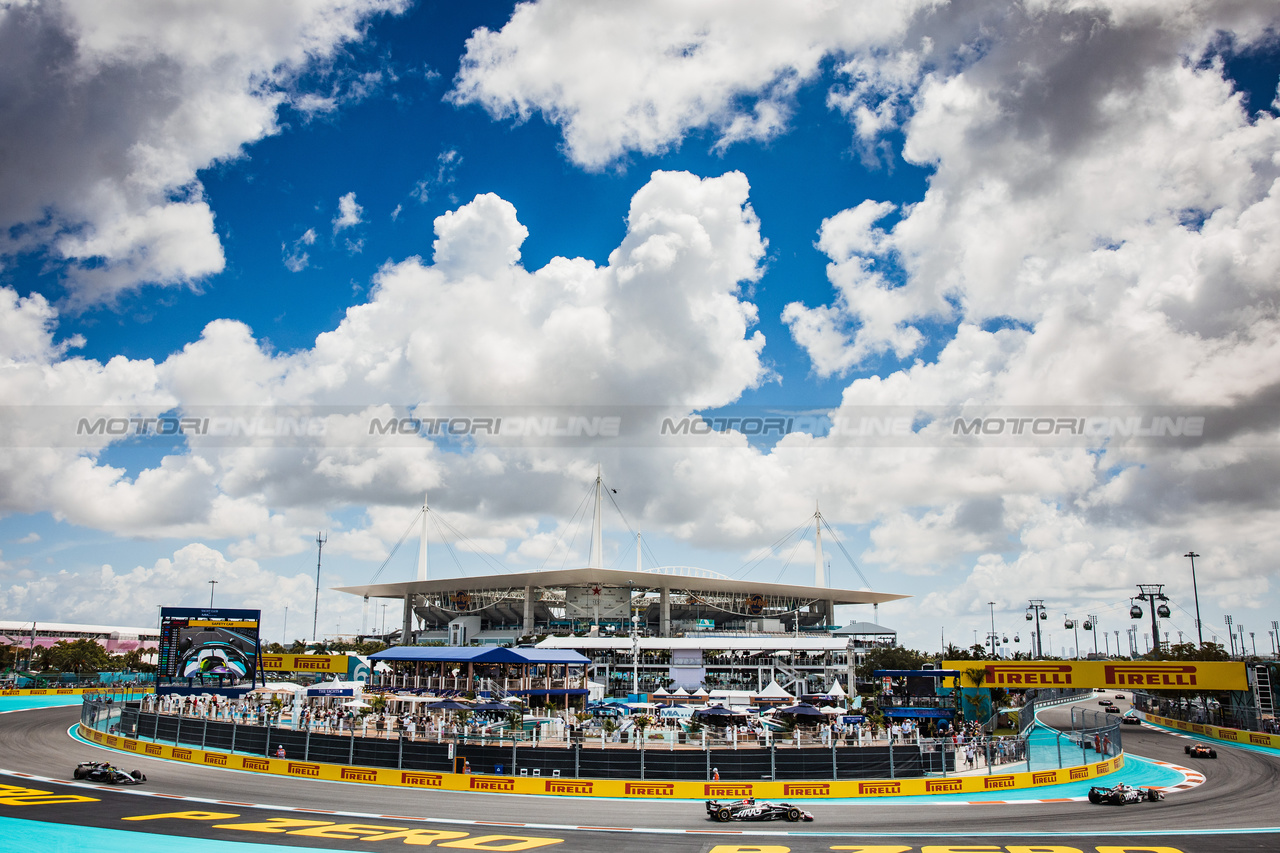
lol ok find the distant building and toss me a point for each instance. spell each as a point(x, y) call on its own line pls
point(115, 640)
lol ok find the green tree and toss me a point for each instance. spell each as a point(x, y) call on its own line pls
point(889, 657)
point(78, 656)
point(1206, 652)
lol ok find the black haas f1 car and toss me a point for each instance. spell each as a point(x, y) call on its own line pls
point(751, 809)
point(1123, 795)
point(1200, 750)
point(101, 771)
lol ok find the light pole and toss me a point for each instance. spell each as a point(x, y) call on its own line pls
point(1196, 591)
point(1275, 632)
point(1231, 633)
point(995, 638)
point(212, 585)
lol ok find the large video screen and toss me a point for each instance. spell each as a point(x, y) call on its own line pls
point(204, 643)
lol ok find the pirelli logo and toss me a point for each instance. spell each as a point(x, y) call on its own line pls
point(811, 790)
point(1044, 778)
point(109, 740)
point(485, 783)
point(215, 758)
point(1197, 728)
point(1227, 734)
point(297, 768)
point(10, 692)
point(1261, 740)
point(153, 749)
point(312, 662)
point(991, 783)
point(556, 786)
point(422, 780)
point(65, 692)
point(272, 662)
point(943, 786)
point(1079, 773)
point(1146, 675)
point(39, 692)
point(727, 790)
point(1024, 675)
point(259, 764)
point(1104, 767)
point(877, 788)
point(355, 774)
point(131, 745)
point(181, 754)
point(650, 789)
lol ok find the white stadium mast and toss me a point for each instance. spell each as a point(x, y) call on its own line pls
point(597, 525)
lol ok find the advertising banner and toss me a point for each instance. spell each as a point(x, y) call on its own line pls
point(1117, 674)
point(335, 664)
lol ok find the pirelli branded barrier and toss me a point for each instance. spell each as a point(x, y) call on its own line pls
point(1216, 732)
point(335, 664)
point(1109, 674)
point(73, 691)
point(543, 785)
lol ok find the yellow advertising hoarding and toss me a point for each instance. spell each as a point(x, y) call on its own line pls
point(613, 788)
point(306, 663)
point(1118, 674)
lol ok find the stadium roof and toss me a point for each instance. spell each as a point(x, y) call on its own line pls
point(619, 577)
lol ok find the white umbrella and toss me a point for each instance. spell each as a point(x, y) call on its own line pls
point(356, 703)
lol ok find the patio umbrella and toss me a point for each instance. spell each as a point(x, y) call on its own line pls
point(449, 705)
point(490, 706)
point(356, 703)
point(718, 715)
point(802, 713)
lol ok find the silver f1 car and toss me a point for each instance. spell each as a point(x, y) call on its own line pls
point(751, 809)
point(1122, 795)
point(101, 771)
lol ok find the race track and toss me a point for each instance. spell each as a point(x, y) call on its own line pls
point(1240, 793)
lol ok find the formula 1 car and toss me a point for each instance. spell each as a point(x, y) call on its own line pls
point(750, 809)
point(101, 771)
point(1122, 795)
point(1131, 719)
point(1200, 750)
point(1111, 709)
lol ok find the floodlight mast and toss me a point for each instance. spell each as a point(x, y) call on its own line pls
point(1196, 591)
point(315, 618)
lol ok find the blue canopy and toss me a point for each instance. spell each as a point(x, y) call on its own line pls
point(480, 654)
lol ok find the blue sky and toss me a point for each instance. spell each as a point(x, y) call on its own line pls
point(930, 212)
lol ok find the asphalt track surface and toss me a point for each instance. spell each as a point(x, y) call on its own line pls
point(1235, 810)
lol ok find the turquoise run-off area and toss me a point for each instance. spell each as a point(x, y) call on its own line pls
point(26, 835)
point(22, 703)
